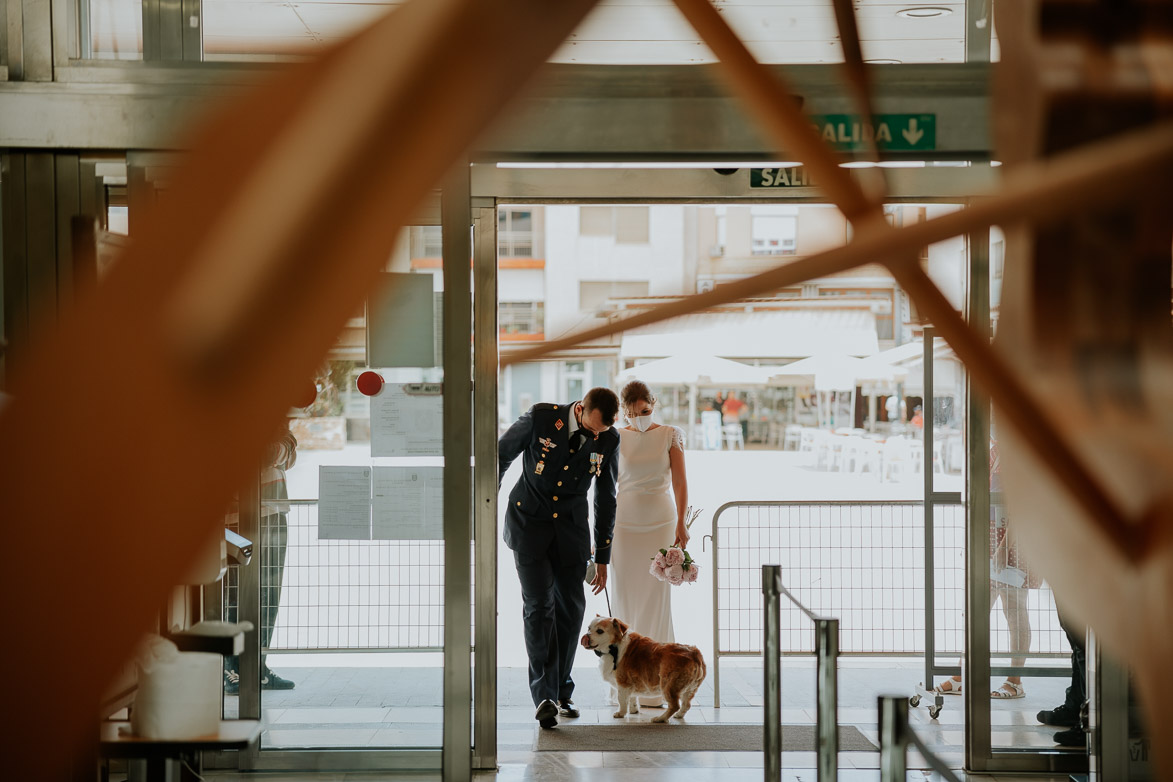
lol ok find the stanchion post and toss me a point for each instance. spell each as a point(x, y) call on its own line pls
point(827, 720)
point(772, 649)
point(893, 738)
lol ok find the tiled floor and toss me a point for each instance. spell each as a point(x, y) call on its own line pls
point(400, 707)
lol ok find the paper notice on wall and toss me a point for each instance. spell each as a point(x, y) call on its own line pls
point(407, 419)
point(344, 503)
point(409, 503)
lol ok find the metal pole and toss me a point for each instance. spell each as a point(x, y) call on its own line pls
point(772, 648)
point(926, 463)
point(827, 720)
point(893, 738)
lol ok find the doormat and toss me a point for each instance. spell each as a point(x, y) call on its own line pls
point(687, 737)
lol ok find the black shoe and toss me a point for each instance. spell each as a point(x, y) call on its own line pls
point(271, 681)
point(1064, 716)
point(566, 709)
point(1072, 737)
point(231, 683)
point(547, 714)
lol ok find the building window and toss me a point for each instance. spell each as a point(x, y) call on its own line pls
point(631, 224)
point(595, 221)
point(521, 317)
point(774, 230)
point(426, 242)
point(628, 224)
point(575, 376)
point(592, 295)
point(515, 233)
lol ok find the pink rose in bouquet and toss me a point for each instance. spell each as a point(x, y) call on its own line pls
point(690, 575)
point(657, 568)
point(675, 574)
point(673, 556)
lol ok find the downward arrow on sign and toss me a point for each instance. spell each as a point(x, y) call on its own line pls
point(911, 134)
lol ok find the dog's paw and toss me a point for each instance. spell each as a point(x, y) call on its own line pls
point(661, 719)
point(618, 715)
point(634, 708)
point(678, 715)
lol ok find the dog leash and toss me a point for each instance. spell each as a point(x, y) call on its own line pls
point(607, 594)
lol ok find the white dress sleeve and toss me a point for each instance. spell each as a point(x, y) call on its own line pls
point(677, 438)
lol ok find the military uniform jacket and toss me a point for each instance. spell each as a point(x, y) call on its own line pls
point(549, 501)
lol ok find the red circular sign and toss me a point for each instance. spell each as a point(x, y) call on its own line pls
point(370, 383)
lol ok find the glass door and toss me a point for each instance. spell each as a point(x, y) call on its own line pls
point(1017, 652)
point(360, 583)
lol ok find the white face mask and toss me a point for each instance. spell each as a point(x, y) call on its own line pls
point(640, 422)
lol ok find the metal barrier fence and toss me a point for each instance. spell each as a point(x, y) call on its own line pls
point(895, 737)
point(346, 595)
point(861, 561)
point(826, 678)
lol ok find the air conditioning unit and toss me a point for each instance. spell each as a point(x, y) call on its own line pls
point(717, 251)
point(704, 286)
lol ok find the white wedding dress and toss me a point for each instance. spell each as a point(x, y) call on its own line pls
point(645, 522)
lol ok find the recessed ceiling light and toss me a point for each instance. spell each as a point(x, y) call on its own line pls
point(884, 62)
point(924, 12)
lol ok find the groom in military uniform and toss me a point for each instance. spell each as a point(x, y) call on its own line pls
point(564, 447)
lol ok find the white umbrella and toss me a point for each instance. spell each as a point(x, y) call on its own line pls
point(834, 372)
point(695, 370)
point(837, 372)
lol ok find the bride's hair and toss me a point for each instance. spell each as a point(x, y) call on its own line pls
point(637, 391)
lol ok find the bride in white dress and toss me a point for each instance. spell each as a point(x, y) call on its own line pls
point(649, 515)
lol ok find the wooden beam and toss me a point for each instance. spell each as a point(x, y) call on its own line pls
point(770, 100)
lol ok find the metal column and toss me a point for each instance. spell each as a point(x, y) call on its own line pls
point(173, 30)
point(827, 698)
point(485, 363)
point(771, 649)
point(893, 738)
point(42, 195)
point(456, 226)
point(927, 409)
point(976, 664)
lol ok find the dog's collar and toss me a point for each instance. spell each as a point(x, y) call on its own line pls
point(612, 650)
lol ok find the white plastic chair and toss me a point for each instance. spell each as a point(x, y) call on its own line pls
point(794, 434)
point(731, 435)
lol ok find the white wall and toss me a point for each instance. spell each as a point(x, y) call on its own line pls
point(571, 258)
point(521, 285)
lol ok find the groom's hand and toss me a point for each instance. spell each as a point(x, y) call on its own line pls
point(600, 579)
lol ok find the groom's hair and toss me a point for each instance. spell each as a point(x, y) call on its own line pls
point(603, 400)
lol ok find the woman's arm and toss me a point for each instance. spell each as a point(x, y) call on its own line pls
point(679, 488)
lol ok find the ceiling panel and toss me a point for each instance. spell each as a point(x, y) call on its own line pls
point(675, 52)
point(615, 32)
point(250, 21)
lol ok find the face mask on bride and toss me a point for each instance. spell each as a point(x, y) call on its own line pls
point(640, 422)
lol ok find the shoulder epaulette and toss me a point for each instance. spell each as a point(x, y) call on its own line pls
point(545, 406)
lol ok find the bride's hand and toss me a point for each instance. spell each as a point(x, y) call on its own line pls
point(682, 536)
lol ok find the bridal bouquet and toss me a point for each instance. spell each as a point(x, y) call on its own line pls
point(674, 564)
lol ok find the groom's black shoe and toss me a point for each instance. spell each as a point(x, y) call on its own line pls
point(566, 709)
point(547, 714)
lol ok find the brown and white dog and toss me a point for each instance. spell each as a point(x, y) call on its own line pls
point(638, 666)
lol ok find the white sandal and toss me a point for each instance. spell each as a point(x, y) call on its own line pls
point(954, 687)
point(1008, 691)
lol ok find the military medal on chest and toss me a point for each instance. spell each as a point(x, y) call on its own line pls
point(596, 463)
point(538, 469)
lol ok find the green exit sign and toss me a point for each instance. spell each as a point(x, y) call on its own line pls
point(895, 132)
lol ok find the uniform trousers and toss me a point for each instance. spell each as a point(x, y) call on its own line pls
point(553, 602)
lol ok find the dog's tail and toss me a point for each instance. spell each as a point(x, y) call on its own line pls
point(697, 664)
